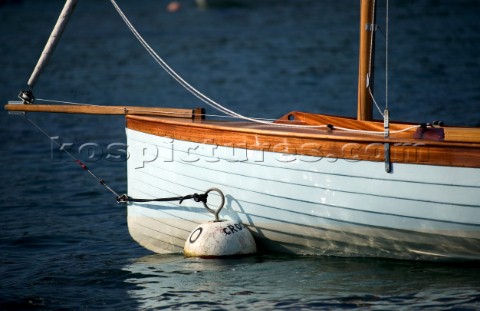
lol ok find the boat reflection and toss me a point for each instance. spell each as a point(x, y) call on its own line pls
point(278, 281)
point(173, 281)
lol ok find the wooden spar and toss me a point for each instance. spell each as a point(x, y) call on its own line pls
point(365, 71)
point(52, 41)
point(109, 110)
point(321, 143)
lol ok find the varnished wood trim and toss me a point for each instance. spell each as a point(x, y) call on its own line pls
point(437, 134)
point(199, 114)
point(461, 134)
point(350, 123)
point(106, 110)
point(320, 143)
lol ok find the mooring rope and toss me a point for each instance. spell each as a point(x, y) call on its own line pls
point(124, 198)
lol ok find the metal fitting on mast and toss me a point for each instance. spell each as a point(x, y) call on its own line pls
point(26, 96)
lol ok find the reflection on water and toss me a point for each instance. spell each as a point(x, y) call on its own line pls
point(63, 239)
point(285, 282)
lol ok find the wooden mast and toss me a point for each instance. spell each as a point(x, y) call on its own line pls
point(365, 72)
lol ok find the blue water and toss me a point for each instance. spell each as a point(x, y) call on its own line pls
point(64, 242)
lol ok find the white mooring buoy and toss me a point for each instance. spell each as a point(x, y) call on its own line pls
point(222, 238)
point(219, 238)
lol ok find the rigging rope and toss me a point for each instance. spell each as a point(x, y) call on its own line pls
point(374, 28)
point(172, 73)
point(386, 54)
point(213, 103)
point(124, 198)
point(82, 165)
point(232, 114)
point(189, 87)
point(268, 121)
point(385, 113)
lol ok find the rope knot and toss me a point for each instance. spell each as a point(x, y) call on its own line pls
point(200, 197)
point(196, 197)
point(124, 198)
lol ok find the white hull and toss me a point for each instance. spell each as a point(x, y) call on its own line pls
point(304, 205)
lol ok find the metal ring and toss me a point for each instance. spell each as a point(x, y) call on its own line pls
point(215, 212)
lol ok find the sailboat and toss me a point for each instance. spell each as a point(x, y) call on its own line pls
point(305, 183)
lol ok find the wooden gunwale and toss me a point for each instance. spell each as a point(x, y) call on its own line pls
point(322, 143)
